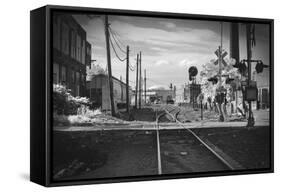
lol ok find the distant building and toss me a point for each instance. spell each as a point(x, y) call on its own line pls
point(98, 92)
point(71, 54)
point(159, 94)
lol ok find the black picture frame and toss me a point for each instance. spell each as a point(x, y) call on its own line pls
point(41, 93)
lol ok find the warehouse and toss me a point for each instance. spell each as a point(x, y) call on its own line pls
point(71, 54)
point(98, 92)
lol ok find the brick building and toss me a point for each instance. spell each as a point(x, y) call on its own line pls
point(71, 54)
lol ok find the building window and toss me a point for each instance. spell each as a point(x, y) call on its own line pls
point(65, 39)
point(72, 76)
point(73, 42)
point(82, 79)
point(63, 74)
point(78, 48)
point(77, 77)
point(56, 33)
point(88, 54)
point(83, 52)
point(55, 73)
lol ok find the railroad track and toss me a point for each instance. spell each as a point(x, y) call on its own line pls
point(183, 151)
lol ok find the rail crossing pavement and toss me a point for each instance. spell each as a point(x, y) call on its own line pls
point(164, 126)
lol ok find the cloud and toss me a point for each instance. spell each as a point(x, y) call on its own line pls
point(161, 62)
point(158, 49)
point(168, 46)
point(187, 62)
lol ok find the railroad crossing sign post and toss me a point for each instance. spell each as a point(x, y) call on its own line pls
point(220, 53)
point(201, 97)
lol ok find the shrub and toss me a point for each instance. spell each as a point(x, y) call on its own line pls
point(65, 103)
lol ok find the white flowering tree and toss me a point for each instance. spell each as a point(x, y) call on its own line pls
point(210, 70)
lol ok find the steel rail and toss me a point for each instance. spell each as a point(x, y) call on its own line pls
point(159, 163)
point(201, 141)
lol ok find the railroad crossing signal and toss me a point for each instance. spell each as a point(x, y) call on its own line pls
point(260, 66)
point(220, 54)
point(242, 68)
point(193, 71)
point(214, 80)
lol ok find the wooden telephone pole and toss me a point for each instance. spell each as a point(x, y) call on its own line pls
point(251, 120)
point(221, 117)
point(140, 88)
point(145, 86)
point(137, 82)
point(127, 82)
point(109, 66)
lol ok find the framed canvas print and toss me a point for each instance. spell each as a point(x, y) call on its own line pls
point(120, 95)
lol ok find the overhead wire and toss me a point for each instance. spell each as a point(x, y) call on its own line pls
point(117, 34)
point(116, 54)
point(116, 42)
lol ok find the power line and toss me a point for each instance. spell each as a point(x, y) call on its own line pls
point(116, 34)
point(115, 51)
point(116, 41)
point(132, 68)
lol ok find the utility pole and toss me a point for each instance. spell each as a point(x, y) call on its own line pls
point(127, 82)
point(251, 120)
point(234, 51)
point(140, 88)
point(137, 82)
point(221, 117)
point(145, 86)
point(109, 66)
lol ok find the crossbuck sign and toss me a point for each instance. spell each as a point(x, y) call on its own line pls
point(220, 54)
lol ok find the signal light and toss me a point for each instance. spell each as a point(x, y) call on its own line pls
point(242, 68)
point(214, 80)
point(229, 80)
point(260, 66)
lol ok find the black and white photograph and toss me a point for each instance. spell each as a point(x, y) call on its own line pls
point(136, 96)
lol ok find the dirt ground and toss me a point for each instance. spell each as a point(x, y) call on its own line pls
point(95, 154)
point(249, 147)
point(100, 154)
point(181, 152)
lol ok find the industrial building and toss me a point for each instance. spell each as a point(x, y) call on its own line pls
point(98, 92)
point(71, 53)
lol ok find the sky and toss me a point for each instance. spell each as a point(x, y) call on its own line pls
point(169, 46)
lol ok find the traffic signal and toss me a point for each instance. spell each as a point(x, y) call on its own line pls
point(229, 80)
point(214, 80)
point(193, 71)
point(171, 86)
point(242, 68)
point(260, 66)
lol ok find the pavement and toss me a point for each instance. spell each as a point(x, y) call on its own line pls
point(261, 119)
